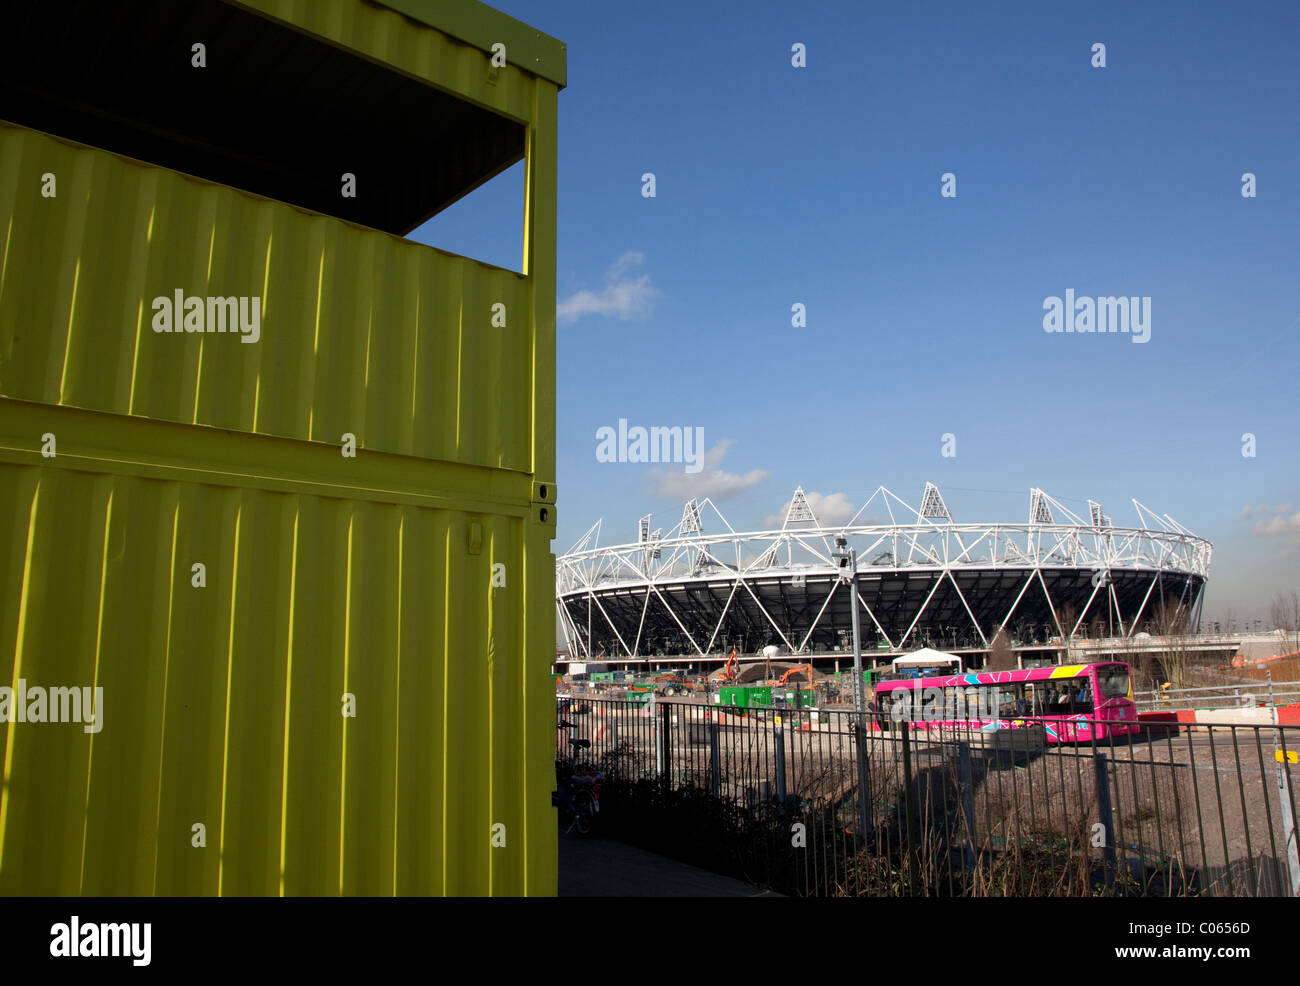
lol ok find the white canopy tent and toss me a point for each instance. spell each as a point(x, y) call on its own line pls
point(926, 657)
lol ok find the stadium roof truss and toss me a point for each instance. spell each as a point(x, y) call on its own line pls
point(699, 592)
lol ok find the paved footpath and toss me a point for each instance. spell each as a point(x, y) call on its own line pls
point(597, 867)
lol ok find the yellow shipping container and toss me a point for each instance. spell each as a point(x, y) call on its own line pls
point(306, 557)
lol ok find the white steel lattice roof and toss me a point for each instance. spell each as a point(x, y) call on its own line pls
point(703, 577)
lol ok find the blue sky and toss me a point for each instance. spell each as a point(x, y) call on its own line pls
point(821, 185)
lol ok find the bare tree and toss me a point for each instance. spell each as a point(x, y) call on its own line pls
point(1068, 616)
point(1143, 664)
point(1002, 656)
point(1229, 618)
point(1176, 657)
point(1284, 614)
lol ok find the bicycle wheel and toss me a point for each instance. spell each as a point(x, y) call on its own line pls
point(584, 812)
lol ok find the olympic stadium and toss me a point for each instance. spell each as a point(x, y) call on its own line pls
point(703, 589)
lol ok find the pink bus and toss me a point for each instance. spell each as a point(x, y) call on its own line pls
point(1073, 702)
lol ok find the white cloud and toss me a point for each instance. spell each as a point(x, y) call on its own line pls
point(718, 484)
point(714, 456)
point(831, 510)
point(1285, 527)
point(622, 297)
point(1264, 508)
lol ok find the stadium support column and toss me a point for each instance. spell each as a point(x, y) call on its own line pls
point(1200, 600)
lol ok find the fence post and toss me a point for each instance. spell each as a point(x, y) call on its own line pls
point(666, 734)
point(1289, 833)
point(655, 736)
point(715, 773)
point(913, 835)
point(864, 777)
point(779, 732)
point(1107, 821)
point(967, 808)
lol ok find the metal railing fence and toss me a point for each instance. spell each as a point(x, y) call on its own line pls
point(776, 796)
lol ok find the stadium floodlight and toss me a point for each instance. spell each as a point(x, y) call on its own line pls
point(841, 556)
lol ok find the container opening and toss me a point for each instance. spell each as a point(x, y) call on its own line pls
point(487, 225)
point(272, 111)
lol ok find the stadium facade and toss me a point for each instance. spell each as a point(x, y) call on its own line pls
point(923, 580)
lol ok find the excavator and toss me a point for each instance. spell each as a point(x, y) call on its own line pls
point(806, 668)
point(779, 696)
point(730, 669)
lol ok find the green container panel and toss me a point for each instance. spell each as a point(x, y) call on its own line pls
point(325, 575)
point(746, 696)
point(805, 697)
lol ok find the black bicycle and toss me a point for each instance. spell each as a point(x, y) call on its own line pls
point(577, 793)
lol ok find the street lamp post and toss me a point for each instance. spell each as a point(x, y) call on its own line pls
point(848, 558)
point(859, 704)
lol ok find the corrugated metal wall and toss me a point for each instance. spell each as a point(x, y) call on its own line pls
point(362, 333)
point(325, 574)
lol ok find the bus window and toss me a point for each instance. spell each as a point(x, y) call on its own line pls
point(1006, 701)
point(898, 705)
point(1082, 695)
point(1014, 701)
point(1113, 682)
point(1049, 700)
point(1072, 697)
point(1059, 697)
